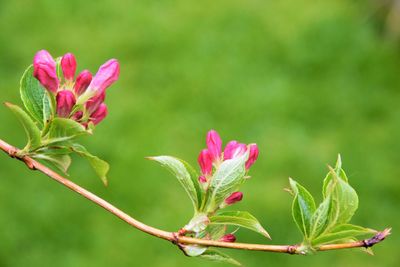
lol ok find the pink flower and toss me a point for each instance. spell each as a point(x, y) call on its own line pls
point(44, 69)
point(233, 198)
point(68, 66)
point(228, 238)
point(253, 155)
point(214, 144)
point(234, 149)
point(82, 82)
point(107, 74)
point(65, 102)
point(99, 114)
point(93, 103)
point(205, 162)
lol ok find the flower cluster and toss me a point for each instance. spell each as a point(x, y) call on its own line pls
point(211, 157)
point(80, 99)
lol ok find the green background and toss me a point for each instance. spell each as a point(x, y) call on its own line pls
point(305, 80)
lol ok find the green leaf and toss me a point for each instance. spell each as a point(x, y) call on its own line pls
point(62, 162)
point(303, 207)
point(54, 150)
point(344, 200)
point(178, 168)
point(194, 176)
point(339, 173)
point(215, 255)
point(216, 231)
point(239, 218)
point(34, 97)
point(226, 180)
point(198, 223)
point(193, 250)
point(32, 131)
point(319, 220)
point(62, 130)
point(100, 166)
point(342, 232)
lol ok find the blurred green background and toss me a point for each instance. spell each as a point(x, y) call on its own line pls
point(304, 79)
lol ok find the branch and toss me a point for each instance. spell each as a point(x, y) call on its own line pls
point(176, 238)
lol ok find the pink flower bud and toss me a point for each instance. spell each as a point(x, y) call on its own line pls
point(228, 238)
point(233, 198)
point(93, 103)
point(68, 66)
point(65, 102)
point(253, 155)
point(106, 75)
point(77, 115)
point(99, 114)
point(234, 149)
point(205, 162)
point(214, 144)
point(202, 179)
point(82, 82)
point(44, 69)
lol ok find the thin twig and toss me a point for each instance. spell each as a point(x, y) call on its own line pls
point(173, 237)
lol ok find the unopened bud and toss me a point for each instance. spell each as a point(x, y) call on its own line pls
point(68, 66)
point(44, 69)
point(205, 162)
point(77, 115)
point(65, 103)
point(234, 149)
point(99, 114)
point(214, 144)
point(82, 82)
point(107, 74)
point(228, 238)
point(93, 103)
point(253, 155)
point(233, 198)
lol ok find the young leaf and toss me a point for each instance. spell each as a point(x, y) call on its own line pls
point(194, 176)
point(347, 201)
point(339, 173)
point(340, 232)
point(215, 255)
point(179, 169)
point(62, 162)
point(193, 250)
point(32, 131)
point(344, 200)
point(100, 167)
point(62, 130)
point(303, 207)
point(319, 220)
point(239, 218)
point(198, 223)
point(226, 179)
point(34, 97)
point(216, 231)
point(54, 150)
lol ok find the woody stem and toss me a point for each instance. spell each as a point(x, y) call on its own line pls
point(176, 238)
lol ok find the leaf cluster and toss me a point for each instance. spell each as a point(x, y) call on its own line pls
point(329, 221)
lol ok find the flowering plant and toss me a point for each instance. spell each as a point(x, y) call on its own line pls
point(216, 187)
point(60, 108)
